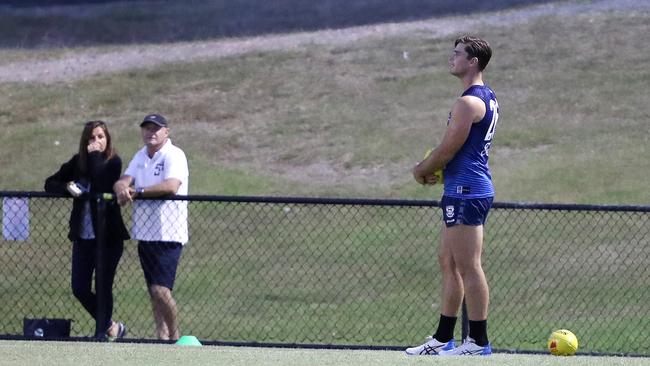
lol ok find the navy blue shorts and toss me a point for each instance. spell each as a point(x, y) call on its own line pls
point(159, 260)
point(472, 212)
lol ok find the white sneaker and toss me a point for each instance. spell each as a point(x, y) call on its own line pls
point(468, 348)
point(431, 347)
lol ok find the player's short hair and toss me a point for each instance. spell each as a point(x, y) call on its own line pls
point(476, 47)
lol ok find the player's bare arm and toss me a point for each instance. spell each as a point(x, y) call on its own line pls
point(466, 111)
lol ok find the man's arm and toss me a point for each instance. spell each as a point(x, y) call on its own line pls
point(466, 111)
point(167, 187)
point(123, 190)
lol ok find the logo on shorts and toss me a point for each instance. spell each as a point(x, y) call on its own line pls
point(449, 211)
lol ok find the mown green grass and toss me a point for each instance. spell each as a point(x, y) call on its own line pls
point(61, 353)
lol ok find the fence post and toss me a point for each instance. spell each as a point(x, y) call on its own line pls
point(464, 321)
point(100, 270)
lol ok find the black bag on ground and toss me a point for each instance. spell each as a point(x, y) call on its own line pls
point(46, 328)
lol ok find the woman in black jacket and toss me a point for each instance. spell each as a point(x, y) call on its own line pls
point(91, 171)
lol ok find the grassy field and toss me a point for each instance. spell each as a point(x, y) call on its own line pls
point(350, 120)
point(52, 353)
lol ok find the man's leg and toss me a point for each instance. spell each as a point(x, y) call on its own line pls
point(466, 244)
point(159, 262)
point(452, 283)
point(164, 312)
point(451, 293)
point(451, 299)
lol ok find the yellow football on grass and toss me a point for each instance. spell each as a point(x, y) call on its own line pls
point(563, 343)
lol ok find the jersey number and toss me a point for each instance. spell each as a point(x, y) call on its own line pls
point(494, 107)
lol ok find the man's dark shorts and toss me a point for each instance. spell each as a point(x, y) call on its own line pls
point(472, 212)
point(159, 260)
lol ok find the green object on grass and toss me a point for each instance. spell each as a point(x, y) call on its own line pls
point(188, 340)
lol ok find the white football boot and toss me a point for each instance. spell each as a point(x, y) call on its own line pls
point(431, 347)
point(468, 348)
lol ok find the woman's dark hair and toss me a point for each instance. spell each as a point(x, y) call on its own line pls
point(108, 153)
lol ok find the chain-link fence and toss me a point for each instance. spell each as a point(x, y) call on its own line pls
point(349, 272)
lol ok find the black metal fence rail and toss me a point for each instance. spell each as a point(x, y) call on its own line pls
point(352, 272)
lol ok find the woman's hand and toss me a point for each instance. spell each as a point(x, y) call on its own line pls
point(73, 189)
point(94, 146)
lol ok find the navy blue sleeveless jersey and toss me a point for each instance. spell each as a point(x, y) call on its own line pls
point(467, 175)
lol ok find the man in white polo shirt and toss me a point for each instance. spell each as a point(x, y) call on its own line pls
point(158, 169)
